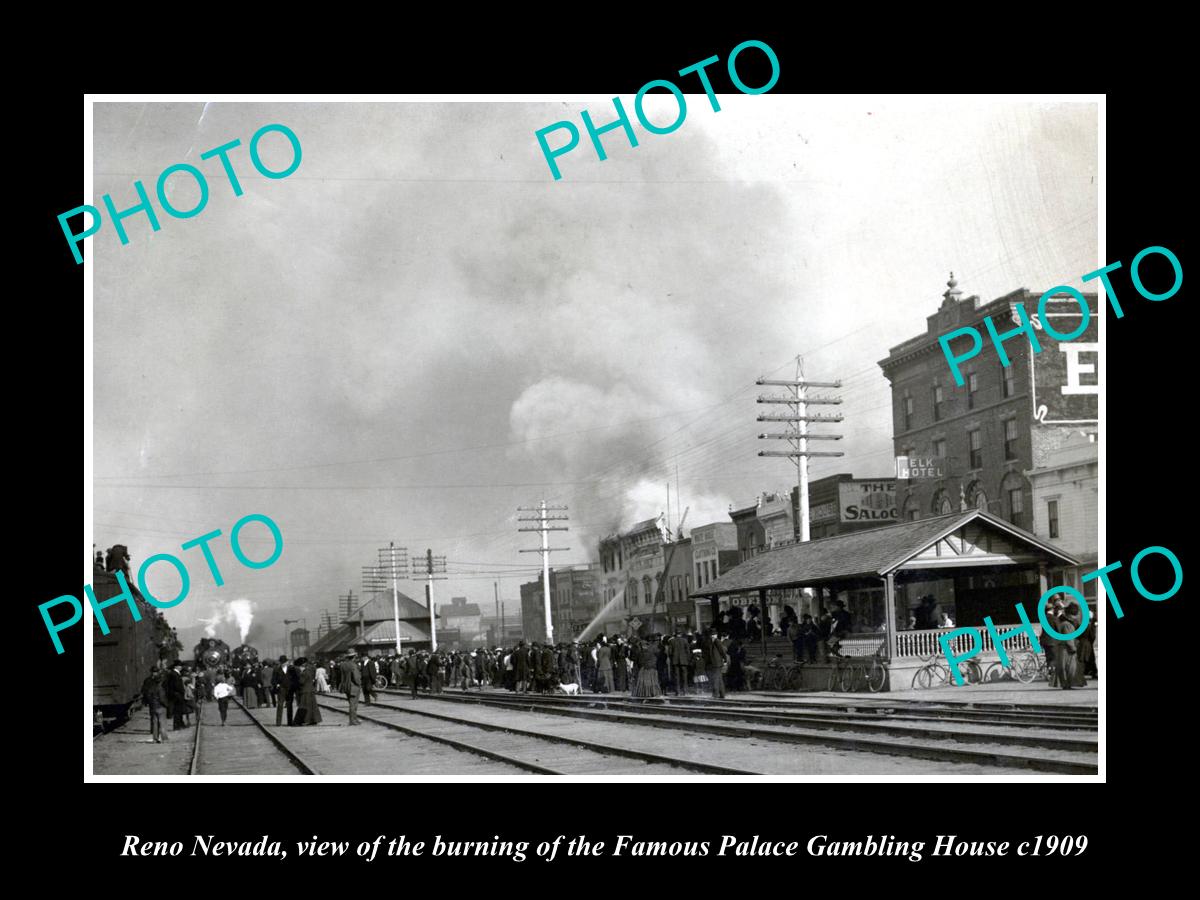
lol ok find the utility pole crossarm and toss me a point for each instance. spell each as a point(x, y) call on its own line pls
point(544, 528)
point(787, 436)
point(798, 383)
point(817, 418)
point(796, 453)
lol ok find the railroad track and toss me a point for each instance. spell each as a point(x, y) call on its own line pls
point(244, 747)
point(1059, 718)
point(875, 736)
point(539, 752)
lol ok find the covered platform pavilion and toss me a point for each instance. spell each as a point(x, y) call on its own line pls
point(966, 565)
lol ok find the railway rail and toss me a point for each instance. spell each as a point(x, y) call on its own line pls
point(534, 751)
point(241, 750)
point(1059, 718)
point(871, 733)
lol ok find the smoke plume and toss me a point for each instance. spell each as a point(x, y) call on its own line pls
point(239, 612)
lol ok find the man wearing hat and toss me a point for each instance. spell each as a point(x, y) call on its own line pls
point(681, 658)
point(351, 681)
point(281, 684)
point(176, 694)
point(712, 652)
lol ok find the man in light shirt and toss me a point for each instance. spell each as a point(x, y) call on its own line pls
point(222, 691)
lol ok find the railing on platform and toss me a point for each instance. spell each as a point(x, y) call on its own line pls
point(863, 644)
point(925, 642)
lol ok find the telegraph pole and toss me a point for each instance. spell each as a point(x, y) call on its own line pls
point(432, 568)
point(798, 400)
point(393, 565)
point(347, 604)
point(545, 528)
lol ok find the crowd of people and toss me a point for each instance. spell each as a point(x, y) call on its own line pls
point(685, 662)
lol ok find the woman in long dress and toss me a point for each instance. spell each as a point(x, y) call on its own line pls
point(322, 682)
point(647, 677)
point(307, 711)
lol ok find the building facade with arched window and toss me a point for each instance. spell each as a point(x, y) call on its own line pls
point(984, 436)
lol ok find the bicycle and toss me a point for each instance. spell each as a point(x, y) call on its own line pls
point(1027, 667)
point(859, 673)
point(935, 671)
point(837, 673)
point(775, 678)
point(380, 682)
point(782, 676)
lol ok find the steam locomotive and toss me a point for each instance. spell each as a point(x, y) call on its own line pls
point(211, 653)
point(245, 655)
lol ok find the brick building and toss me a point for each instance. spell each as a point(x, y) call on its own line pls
point(840, 504)
point(982, 438)
point(714, 551)
point(574, 603)
point(632, 564)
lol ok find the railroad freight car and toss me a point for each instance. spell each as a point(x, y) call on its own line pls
point(122, 659)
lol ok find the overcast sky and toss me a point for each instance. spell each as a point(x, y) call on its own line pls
point(420, 330)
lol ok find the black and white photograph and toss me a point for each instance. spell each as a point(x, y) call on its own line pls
point(517, 438)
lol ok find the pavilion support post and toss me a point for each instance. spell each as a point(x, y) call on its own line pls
point(715, 606)
point(1043, 582)
point(762, 607)
point(889, 606)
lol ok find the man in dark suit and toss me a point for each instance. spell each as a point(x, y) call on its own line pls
point(351, 681)
point(549, 669)
point(681, 658)
point(714, 656)
point(520, 661)
point(176, 695)
point(282, 686)
point(369, 672)
point(604, 666)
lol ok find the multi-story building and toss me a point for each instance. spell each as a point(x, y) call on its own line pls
point(464, 618)
point(840, 504)
point(751, 536)
point(714, 550)
point(574, 603)
point(1065, 499)
point(678, 610)
point(632, 565)
point(976, 442)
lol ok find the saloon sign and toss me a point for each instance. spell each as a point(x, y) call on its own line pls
point(867, 501)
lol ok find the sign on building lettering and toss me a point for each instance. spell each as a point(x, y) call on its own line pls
point(916, 467)
point(823, 512)
point(1066, 383)
point(867, 501)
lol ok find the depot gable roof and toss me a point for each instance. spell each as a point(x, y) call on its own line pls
point(958, 540)
point(379, 608)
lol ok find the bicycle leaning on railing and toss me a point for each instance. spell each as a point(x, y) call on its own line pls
point(1023, 665)
point(782, 676)
point(851, 673)
point(935, 671)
